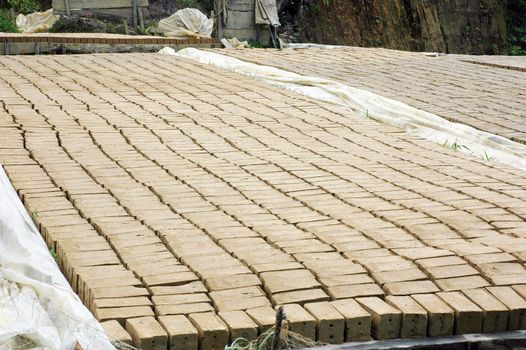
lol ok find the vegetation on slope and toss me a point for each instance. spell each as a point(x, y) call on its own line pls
point(517, 27)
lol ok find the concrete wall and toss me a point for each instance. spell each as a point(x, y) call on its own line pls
point(240, 21)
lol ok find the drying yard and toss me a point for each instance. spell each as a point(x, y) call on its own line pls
point(185, 202)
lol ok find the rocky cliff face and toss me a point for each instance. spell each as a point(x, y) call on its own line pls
point(452, 26)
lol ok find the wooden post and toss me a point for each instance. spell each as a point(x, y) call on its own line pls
point(125, 21)
point(141, 18)
point(66, 5)
point(134, 13)
point(280, 316)
point(13, 15)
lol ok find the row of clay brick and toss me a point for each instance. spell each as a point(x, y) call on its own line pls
point(494, 309)
point(102, 39)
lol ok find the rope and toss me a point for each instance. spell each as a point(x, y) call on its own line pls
point(287, 341)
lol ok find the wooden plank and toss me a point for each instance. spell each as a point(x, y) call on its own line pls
point(95, 4)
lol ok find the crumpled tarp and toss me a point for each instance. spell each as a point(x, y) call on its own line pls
point(36, 22)
point(234, 43)
point(414, 121)
point(267, 13)
point(186, 23)
point(38, 308)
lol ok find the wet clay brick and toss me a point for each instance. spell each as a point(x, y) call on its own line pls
point(468, 316)
point(330, 324)
point(182, 335)
point(357, 320)
point(213, 333)
point(147, 333)
point(386, 320)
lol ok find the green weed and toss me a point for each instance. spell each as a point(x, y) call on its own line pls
point(455, 146)
point(6, 23)
point(54, 255)
point(24, 6)
point(486, 156)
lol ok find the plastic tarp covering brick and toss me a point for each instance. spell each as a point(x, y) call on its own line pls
point(186, 23)
point(267, 13)
point(38, 309)
point(414, 121)
point(36, 22)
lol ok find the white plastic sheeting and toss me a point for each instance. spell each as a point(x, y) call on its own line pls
point(414, 121)
point(234, 43)
point(187, 22)
point(38, 309)
point(36, 22)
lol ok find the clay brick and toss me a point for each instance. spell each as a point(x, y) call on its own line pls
point(147, 333)
point(300, 321)
point(240, 325)
point(386, 320)
point(182, 335)
point(241, 304)
point(192, 287)
point(386, 263)
point(441, 318)
point(334, 268)
point(489, 258)
point(180, 299)
point(411, 287)
point(357, 320)
point(121, 314)
point(120, 302)
point(300, 296)
point(235, 281)
point(399, 276)
point(342, 280)
point(355, 290)
point(496, 315)
point(183, 309)
point(170, 279)
point(239, 298)
point(521, 290)
point(259, 268)
point(284, 281)
point(213, 333)
point(461, 283)
point(468, 316)
point(422, 253)
point(451, 271)
point(116, 332)
point(265, 317)
point(441, 261)
point(515, 303)
point(330, 324)
point(414, 317)
point(117, 292)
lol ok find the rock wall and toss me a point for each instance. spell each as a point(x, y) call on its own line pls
point(452, 26)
